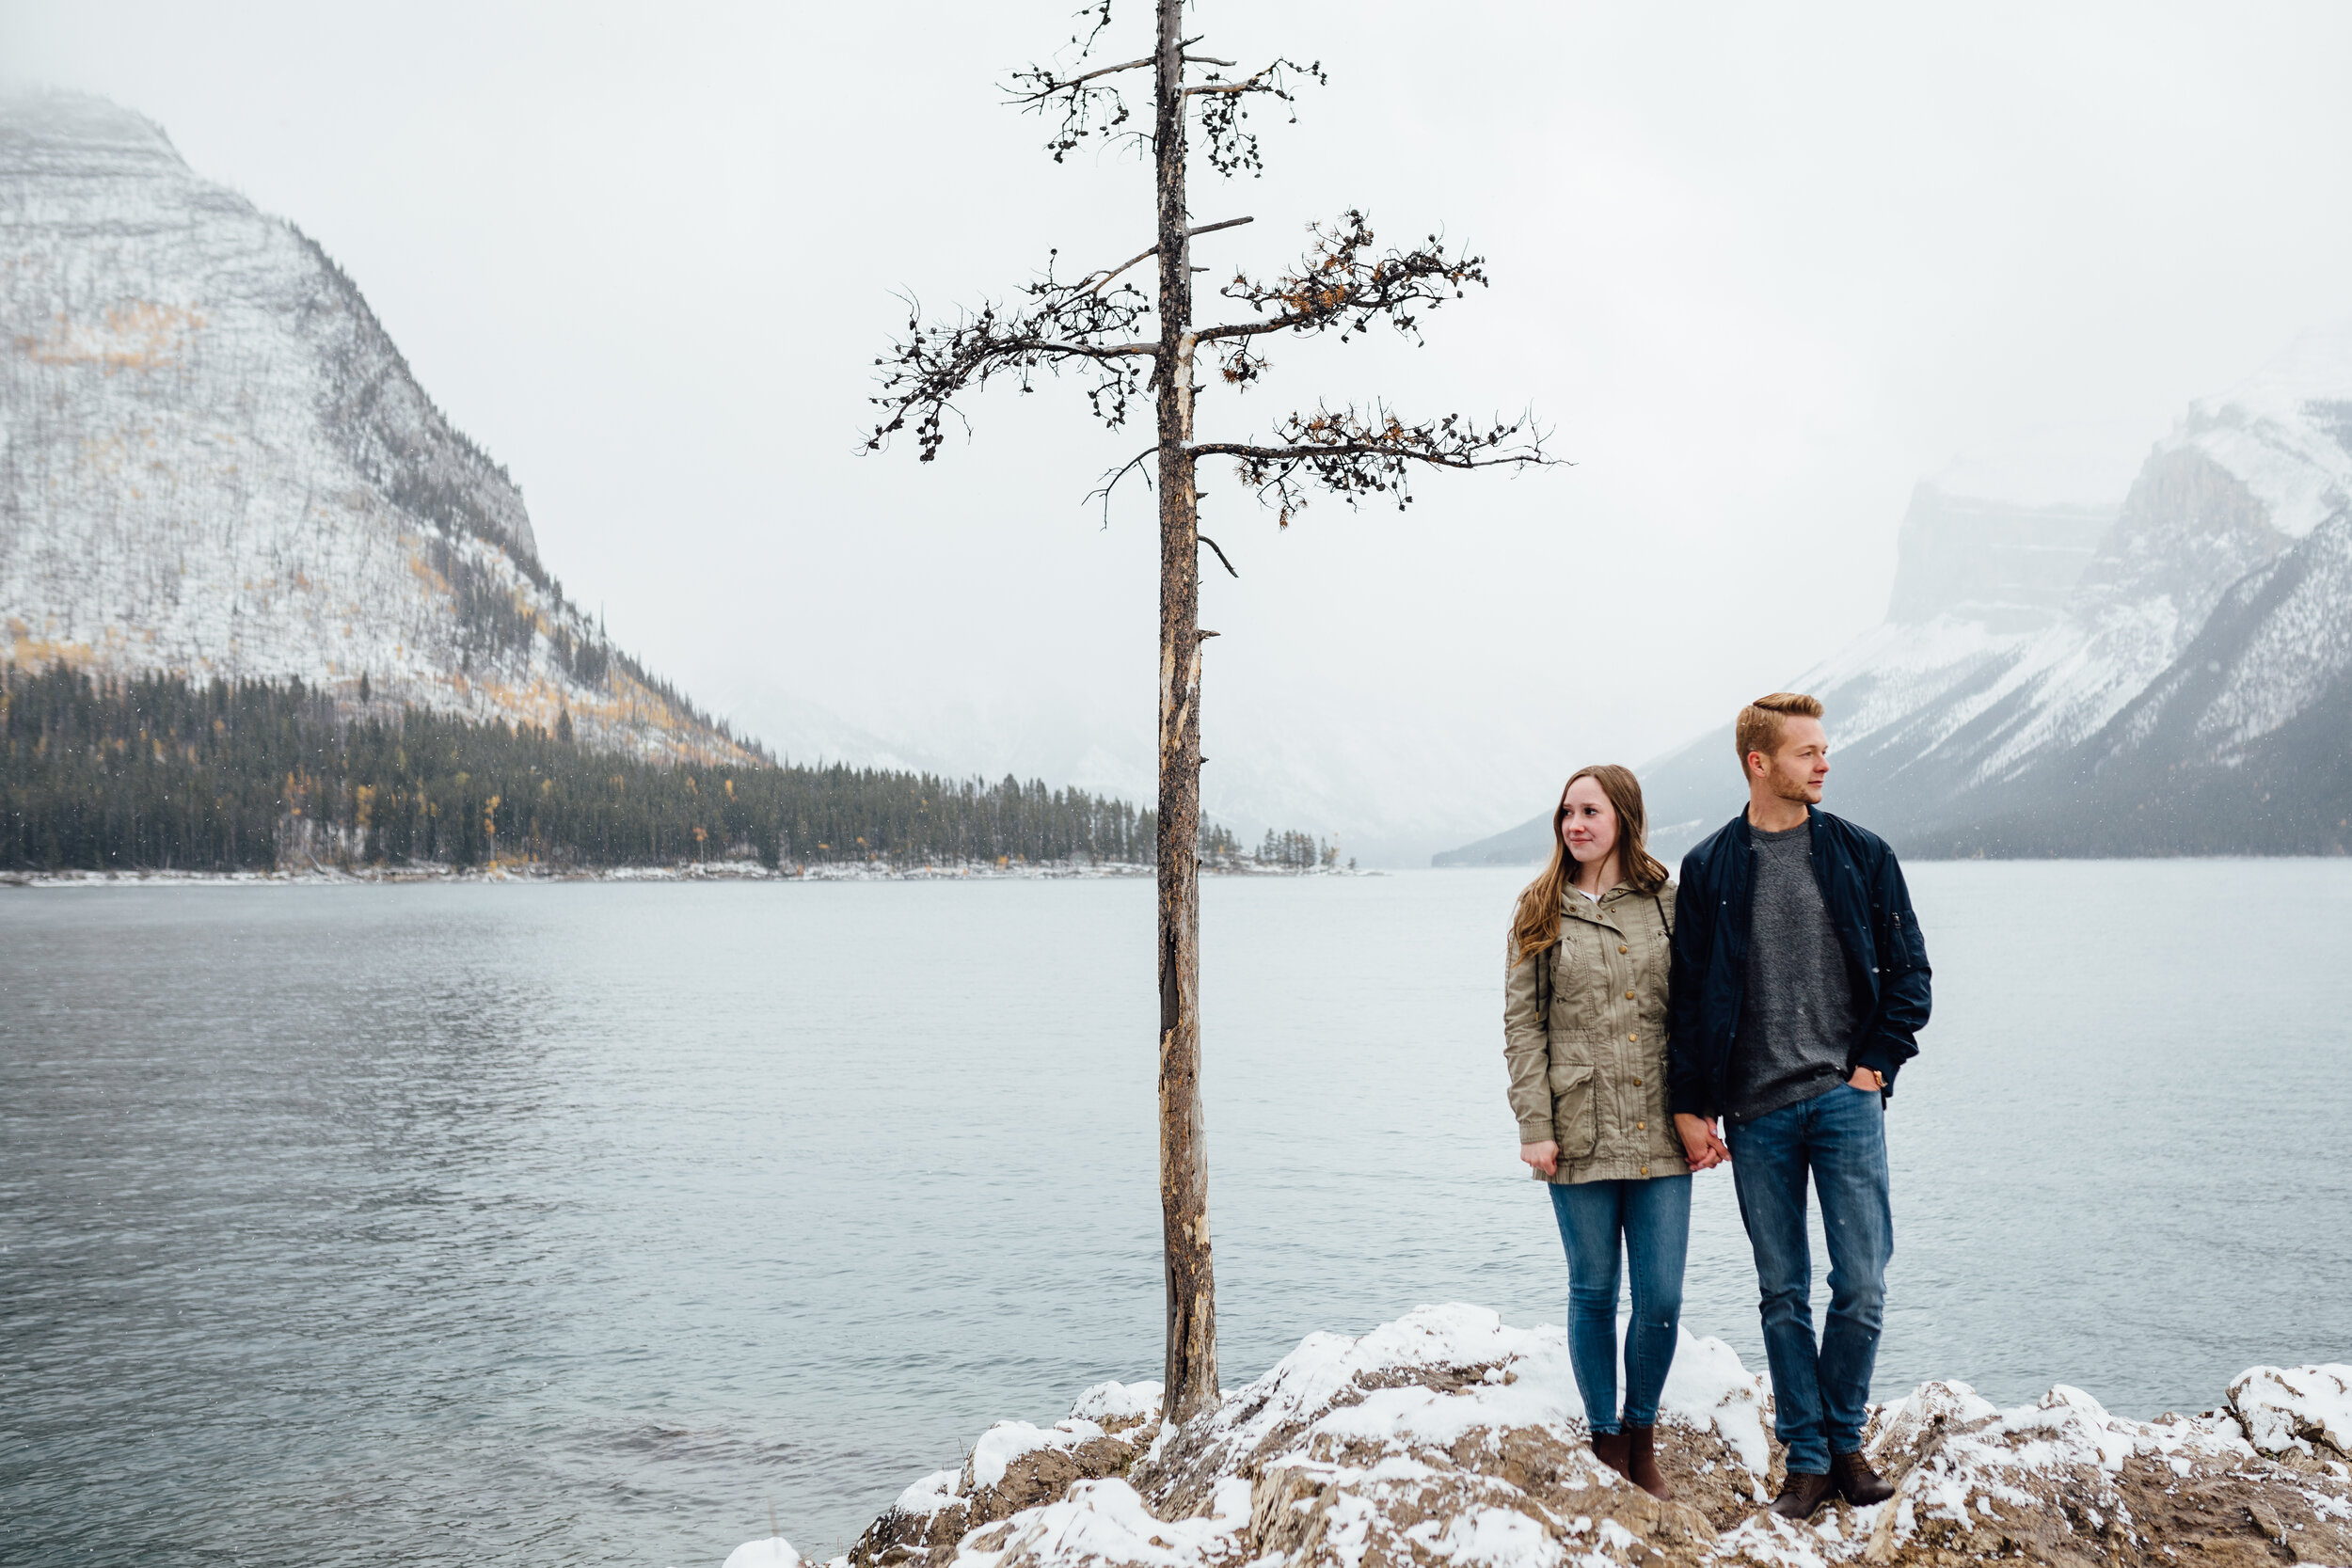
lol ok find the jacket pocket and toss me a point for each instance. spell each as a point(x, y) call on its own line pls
point(1575, 1111)
point(1562, 962)
point(1910, 950)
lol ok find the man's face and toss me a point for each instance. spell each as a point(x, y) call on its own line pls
point(1798, 769)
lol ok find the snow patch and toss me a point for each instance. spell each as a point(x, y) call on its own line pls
point(2281, 430)
point(1110, 1404)
point(934, 1492)
point(774, 1552)
point(2293, 1408)
point(1106, 1522)
point(1007, 1441)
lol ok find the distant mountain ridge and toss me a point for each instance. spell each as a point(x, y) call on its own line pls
point(215, 462)
point(2180, 687)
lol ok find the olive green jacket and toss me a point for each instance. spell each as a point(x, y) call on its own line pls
point(1591, 1076)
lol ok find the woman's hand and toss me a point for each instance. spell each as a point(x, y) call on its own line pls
point(1544, 1156)
point(1700, 1144)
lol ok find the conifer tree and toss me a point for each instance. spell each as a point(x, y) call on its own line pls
point(154, 773)
point(1125, 343)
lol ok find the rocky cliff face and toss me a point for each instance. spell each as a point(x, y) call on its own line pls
point(214, 461)
point(2008, 568)
point(2170, 679)
point(2241, 744)
point(2212, 628)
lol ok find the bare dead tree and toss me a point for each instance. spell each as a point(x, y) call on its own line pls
point(1123, 342)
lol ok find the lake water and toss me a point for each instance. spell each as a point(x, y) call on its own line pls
point(586, 1223)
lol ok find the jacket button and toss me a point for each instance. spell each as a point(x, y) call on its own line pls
point(1630, 1037)
point(1629, 996)
point(1641, 1127)
point(1622, 948)
point(1637, 1083)
point(1644, 1170)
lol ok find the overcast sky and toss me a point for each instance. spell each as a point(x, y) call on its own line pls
point(1760, 268)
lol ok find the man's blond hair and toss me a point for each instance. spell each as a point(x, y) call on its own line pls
point(1761, 723)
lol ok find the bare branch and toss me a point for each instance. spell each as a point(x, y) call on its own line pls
point(1190, 233)
point(1089, 106)
point(1231, 146)
point(1059, 326)
point(1038, 74)
point(1087, 109)
point(1343, 282)
point(1111, 479)
point(1099, 12)
point(1355, 455)
point(1221, 561)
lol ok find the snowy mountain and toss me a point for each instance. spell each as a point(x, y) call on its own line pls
point(214, 461)
point(2179, 685)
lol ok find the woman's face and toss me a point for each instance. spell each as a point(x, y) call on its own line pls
point(1589, 829)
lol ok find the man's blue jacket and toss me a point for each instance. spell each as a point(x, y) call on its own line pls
point(1862, 888)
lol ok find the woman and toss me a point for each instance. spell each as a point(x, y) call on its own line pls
point(1585, 1036)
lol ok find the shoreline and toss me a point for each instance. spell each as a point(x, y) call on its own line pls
point(693, 871)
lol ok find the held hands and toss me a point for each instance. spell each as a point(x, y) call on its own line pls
point(1544, 1156)
point(1700, 1144)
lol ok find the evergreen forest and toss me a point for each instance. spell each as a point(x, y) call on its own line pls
point(155, 773)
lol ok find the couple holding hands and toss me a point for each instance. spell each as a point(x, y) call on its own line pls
point(1755, 1014)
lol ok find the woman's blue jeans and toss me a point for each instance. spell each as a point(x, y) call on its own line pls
point(1652, 1219)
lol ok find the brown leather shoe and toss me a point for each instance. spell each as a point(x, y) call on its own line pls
point(1611, 1447)
point(1642, 1463)
point(1802, 1496)
point(1857, 1481)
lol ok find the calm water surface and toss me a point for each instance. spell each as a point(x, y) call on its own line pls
point(583, 1224)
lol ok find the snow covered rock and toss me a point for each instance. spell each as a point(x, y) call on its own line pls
point(2055, 1480)
point(2304, 1410)
point(1013, 1467)
point(1448, 1439)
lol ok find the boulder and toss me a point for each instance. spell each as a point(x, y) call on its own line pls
point(2299, 1410)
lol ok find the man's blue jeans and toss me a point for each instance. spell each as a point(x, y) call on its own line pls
point(1820, 1398)
point(1653, 1218)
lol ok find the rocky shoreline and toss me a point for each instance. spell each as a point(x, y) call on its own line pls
point(1448, 1440)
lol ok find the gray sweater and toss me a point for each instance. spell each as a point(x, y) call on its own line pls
point(1797, 1010)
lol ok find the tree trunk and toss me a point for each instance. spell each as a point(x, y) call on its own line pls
point(1191, 1378)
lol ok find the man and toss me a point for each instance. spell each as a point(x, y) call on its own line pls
point(1799, 982)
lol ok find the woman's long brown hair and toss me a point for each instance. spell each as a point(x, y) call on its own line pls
point(1537, 926)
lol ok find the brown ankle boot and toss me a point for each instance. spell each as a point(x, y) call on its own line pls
point(1611, 1449)
point(1802, 1495)
point(1642, 1463)
point(1857, 1481)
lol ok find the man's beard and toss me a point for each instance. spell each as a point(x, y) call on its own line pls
point(1802, 791)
